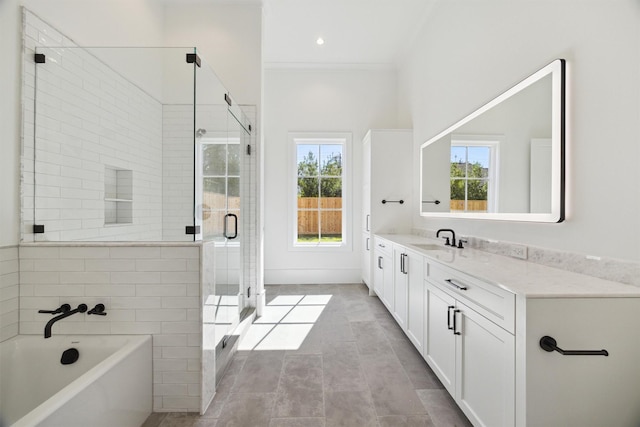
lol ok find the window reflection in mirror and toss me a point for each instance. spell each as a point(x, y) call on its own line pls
point(505, 160)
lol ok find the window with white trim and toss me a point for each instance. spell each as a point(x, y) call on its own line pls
point(320, 185)
point(474, 175)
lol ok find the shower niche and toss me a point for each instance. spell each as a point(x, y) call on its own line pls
point(118, 196)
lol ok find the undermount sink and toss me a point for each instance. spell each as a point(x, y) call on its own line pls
point(429, 247)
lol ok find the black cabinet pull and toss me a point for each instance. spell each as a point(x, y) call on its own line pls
point(455, 285)
point(449, 317)
point(549, 344)
point(455, 328)
point(403, 263)
point(380, 262)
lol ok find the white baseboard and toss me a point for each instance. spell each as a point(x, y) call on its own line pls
point(307, 276)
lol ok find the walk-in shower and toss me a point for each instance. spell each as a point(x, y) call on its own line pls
point(145, 145)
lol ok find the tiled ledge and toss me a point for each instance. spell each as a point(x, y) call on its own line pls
point(616, 270)
point(98, 243)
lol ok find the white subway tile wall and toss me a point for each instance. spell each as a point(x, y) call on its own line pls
point(146, 290)
point(9, 292)
point(89, 119)
point(177, 171)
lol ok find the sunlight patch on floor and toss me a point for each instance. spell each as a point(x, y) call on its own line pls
point(285, 322)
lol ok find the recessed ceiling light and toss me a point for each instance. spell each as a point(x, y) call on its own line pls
point(320, 41)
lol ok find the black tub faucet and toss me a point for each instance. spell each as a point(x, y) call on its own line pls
point(47, 329)
point(453, 236)
point(98, 310)
point(62, 309)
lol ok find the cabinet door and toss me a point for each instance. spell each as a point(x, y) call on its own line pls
point(366, 185)
point(414, 265)
point(485, 370)
point(400, 286)
point(387, 271)
point(366, 259)
point(378, 275)
point(440, 342)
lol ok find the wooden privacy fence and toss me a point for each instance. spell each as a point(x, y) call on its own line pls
point(330, 220)
point(472, 205)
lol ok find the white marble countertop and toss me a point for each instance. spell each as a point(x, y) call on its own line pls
point(523, 278)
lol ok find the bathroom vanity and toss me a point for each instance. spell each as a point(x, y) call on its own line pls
point(478, 320)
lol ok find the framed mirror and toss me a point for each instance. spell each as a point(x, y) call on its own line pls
point(504, 161)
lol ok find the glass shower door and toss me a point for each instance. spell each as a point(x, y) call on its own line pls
point(222, 172)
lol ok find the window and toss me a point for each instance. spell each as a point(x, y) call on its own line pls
point(320, 191)
point(221, 185)
point(473, 175)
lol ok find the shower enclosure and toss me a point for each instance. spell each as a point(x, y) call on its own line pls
point(145, 144)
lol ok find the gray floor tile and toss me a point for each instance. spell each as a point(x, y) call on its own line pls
point(260, 373)
point(419, 373)
point(297, 422)
point(370, 338)
point(155, 419)
point(397, 400)
point(300, 390)
point(381, 370)
point(312, 343)
point(442, 409)
point(356, 367)
point(349, 409)
point(247, 409)
point(179, 419)
point(405, 421)
point(341, 368)
point(359, 311)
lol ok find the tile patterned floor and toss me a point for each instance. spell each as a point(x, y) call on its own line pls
point(355, 368)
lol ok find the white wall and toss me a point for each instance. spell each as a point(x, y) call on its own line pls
point(10, 33)
point(318, 101)
point(104, 23)
point(228, 38)
point(469, 52)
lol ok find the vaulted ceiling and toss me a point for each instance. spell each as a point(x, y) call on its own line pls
point(372, 32)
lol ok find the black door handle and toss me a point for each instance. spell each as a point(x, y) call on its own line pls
point(235, 230)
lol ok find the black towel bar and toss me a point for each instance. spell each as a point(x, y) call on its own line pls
point(549, 344)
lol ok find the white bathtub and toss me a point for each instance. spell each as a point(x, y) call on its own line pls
point(110, 384)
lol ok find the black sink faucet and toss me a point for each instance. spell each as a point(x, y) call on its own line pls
point(47, 329)
point(453, 236)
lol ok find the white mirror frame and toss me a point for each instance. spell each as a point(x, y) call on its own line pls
point(557, 69)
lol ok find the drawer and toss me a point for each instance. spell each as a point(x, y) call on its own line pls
point(383, 245)
point(493, 302)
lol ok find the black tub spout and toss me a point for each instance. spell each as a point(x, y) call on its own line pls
point(47, 329)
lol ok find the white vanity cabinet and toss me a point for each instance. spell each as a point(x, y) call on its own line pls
point(478, 320)
point(473, 356)
point(383, 272)
point(409, 293)
point(386, 155)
